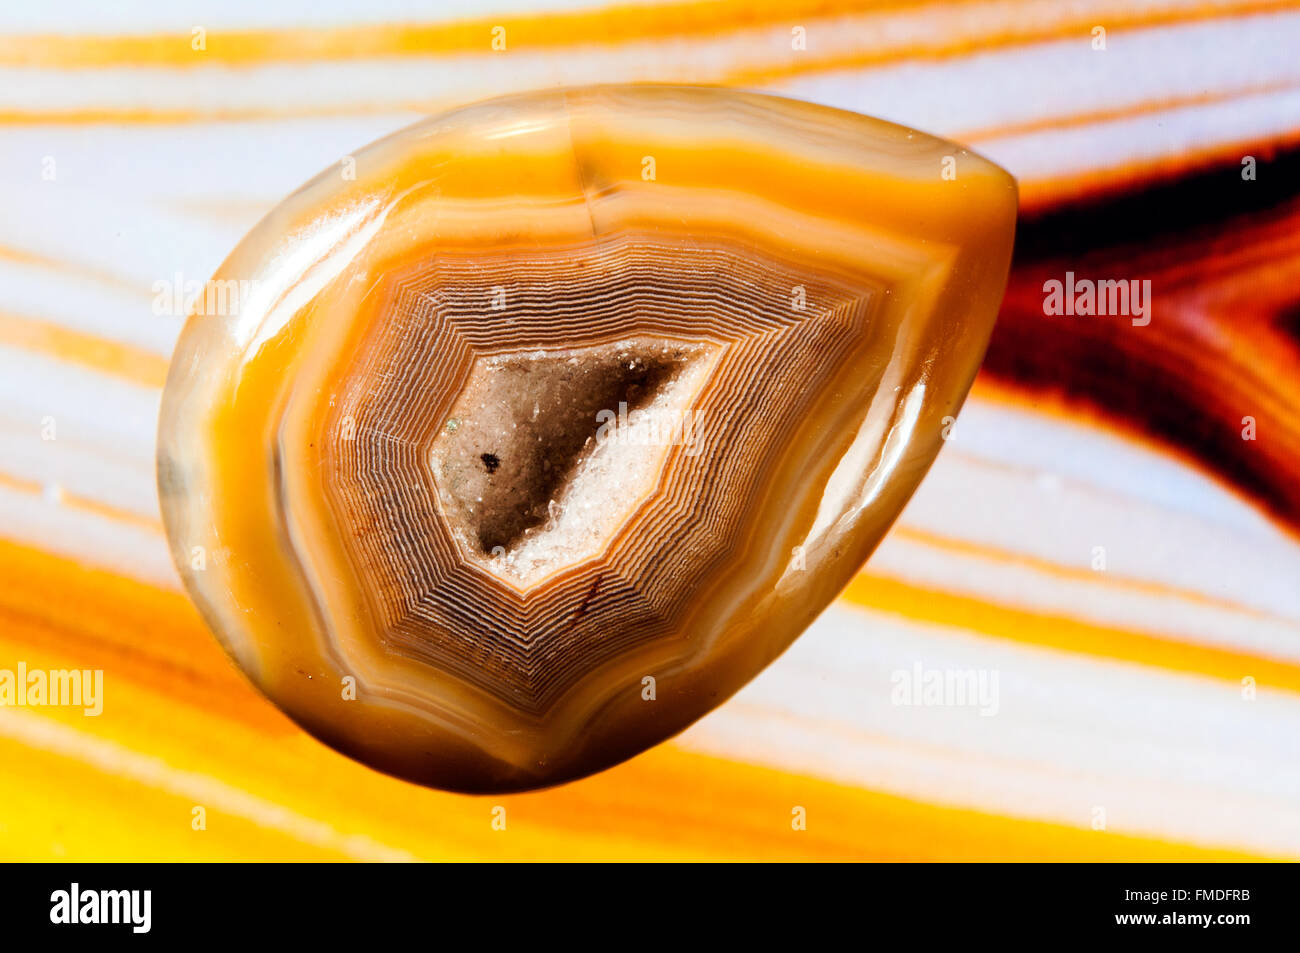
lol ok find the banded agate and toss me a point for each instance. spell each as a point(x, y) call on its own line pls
point(547, 423)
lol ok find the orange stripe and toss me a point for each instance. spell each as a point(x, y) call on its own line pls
point(916, 535)
point(1077, 574)
point(84, 503)
point(145, 116)
point(1092, 117)
point(1066, 634)
point(170, 694)
point(96, 353)
point(1078, 27)
point(152, 116)
point(1037, 195)
point(24, 257)
point(607, 27)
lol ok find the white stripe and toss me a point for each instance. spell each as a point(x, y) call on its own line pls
point(78, 302)
point(1140, 139)
point(1169, 756)
point(123, 548)
point(89, 17)
point(1054, 513)
point(113, 416)
point(1061, 78)
point(121, 239)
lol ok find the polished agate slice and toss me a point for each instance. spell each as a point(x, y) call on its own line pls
point(546, 424)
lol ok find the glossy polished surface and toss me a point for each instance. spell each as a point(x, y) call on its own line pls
point(542, 426)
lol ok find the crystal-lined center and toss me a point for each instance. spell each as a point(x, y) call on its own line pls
point(545, 453)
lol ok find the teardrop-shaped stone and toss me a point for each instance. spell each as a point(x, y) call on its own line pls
point(534, 431)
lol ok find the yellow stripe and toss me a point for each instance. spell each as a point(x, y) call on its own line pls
point(671, 805)
point(57, 809)
point(1061, 632)
point(152, 773)
point(180, 728)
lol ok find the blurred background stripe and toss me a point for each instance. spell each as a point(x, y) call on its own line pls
point(131, 162)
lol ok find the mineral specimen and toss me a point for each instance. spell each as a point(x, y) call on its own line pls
point(545, 424)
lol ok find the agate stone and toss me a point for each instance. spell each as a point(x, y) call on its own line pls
point(547, 423)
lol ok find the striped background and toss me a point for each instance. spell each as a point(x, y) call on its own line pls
point(1120, 690)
